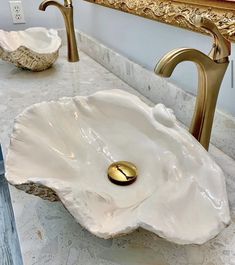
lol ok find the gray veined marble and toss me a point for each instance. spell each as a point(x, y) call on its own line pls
point(48, 234)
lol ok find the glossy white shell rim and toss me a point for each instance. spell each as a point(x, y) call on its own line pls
point(136, 221)
point(51, 34)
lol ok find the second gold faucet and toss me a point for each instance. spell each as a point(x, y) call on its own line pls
point(67, 12)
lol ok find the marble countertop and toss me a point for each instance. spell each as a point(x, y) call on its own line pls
point(48, 234)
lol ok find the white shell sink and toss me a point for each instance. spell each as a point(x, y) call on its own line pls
point(67, 145)
point(35, 49)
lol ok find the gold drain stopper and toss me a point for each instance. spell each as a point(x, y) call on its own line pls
point(122, 173)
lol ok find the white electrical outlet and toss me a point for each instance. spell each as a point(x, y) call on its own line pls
point(17, 12)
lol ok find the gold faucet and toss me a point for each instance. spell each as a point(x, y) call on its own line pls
point(67, 12)
point(211, 70)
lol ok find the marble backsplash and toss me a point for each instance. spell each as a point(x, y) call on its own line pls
point(158, 90)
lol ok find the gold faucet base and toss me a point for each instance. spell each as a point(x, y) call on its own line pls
point(122, 173)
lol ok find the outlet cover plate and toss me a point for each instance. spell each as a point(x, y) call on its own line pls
point(17, 12)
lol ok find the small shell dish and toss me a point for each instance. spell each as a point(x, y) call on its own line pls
point(34, 49)
point(62, 150)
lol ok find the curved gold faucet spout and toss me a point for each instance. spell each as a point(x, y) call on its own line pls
point(67, 12)
point(43, 6)
point(167, 64)
point(210, 76)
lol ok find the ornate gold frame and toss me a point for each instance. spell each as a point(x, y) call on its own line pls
point(180, 12)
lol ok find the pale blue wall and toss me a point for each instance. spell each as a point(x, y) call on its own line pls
point(143, 41)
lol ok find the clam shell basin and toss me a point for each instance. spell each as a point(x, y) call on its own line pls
point(35, 49)
point(68, 145)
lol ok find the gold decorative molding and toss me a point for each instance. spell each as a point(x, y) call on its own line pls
point(180, 13)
